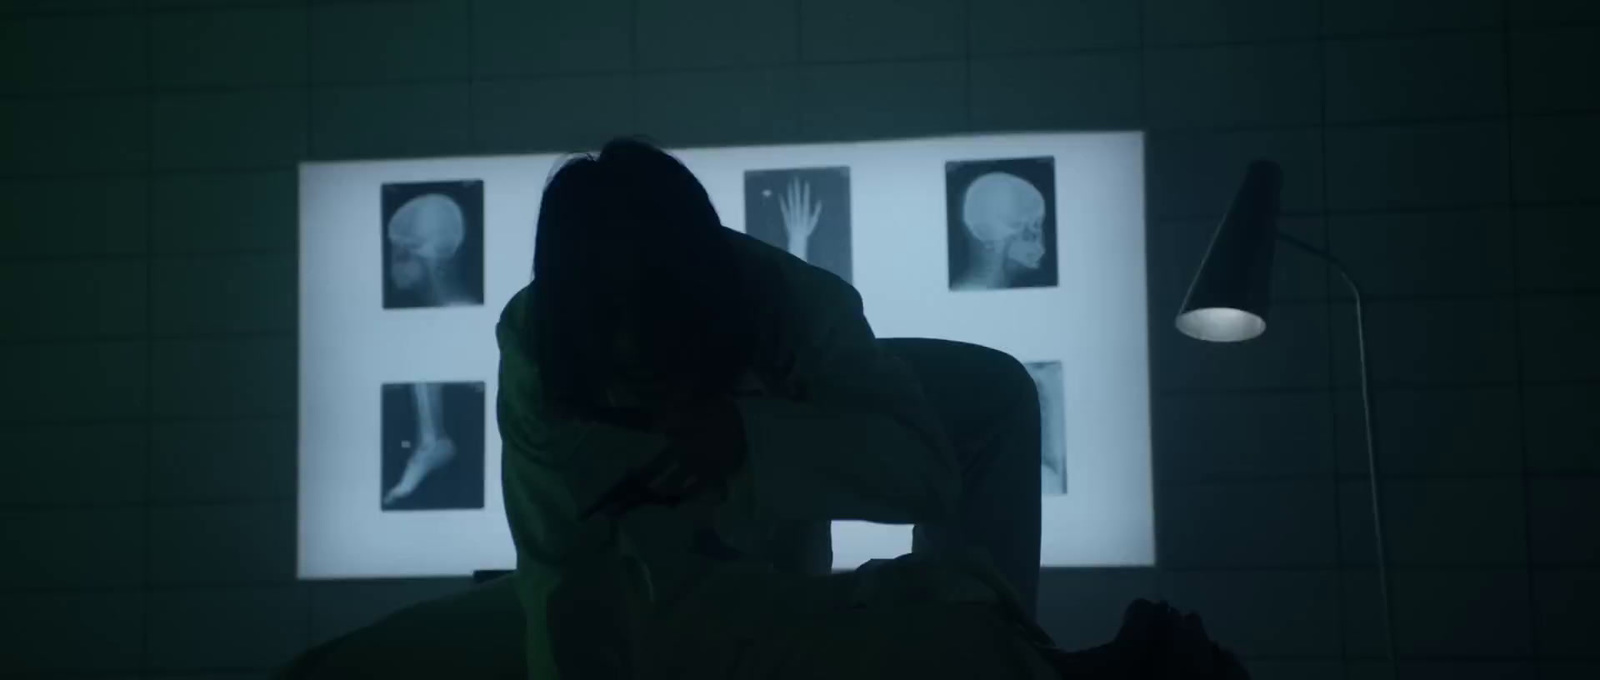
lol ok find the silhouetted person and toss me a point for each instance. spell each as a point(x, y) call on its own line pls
point(684, 410)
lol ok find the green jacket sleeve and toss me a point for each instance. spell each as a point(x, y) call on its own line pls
point(551, 471)
point(859, 441)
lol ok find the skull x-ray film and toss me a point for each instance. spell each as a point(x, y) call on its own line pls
point(432, 240)
point(1001, 219)
point(405, 266)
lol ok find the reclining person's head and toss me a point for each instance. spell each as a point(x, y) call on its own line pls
point(636, 286)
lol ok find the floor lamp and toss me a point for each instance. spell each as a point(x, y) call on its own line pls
point(1228, 302)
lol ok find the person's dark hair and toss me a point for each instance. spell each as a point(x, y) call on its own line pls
point(633, 213)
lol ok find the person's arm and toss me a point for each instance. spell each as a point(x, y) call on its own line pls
point(861, 442)
point(552, 470)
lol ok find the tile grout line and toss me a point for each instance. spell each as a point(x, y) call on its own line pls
point(1518, 369)
point(472, 77)
point(1156, 497)
point(636, 115)
point(1341, 609)
point(309, 87)
point(265, 168)
point(1191, 569)
point(799, 32)
point(1186, 481)
point(968, 122)
point(310, 152)
point(634, 68)
point(799, 127)
point(147, 577)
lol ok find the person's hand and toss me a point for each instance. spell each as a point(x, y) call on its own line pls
point(1162, 643)
point(799, 215)
point(706, 445)
point(706, 437)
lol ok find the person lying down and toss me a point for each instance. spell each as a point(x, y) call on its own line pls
point(684, 410)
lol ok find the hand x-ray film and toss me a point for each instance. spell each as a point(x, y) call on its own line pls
point(1032, 244)
point(804, 211)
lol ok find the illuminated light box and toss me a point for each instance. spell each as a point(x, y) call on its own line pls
point(1032, 244)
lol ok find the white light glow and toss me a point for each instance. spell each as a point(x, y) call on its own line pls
point(1221, 324)
point(1093, 322)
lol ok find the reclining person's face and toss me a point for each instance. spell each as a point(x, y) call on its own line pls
point(671, 341)
point(636, 382)
point(640, 375)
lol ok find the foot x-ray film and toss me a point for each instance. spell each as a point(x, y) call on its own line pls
point(432, 446)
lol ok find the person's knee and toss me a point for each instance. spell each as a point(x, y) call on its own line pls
point(1009, 381)
point(969, 382)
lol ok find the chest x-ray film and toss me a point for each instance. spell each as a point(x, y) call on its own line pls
point(1032, 244)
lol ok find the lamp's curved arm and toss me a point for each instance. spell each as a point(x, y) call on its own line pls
point(1366, 413)
point(1325, 256)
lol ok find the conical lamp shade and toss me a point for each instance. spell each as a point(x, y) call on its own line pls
point(1228, 300)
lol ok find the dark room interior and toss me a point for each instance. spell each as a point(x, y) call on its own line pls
point(1440, 152)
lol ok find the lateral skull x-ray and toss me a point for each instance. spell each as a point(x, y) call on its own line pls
point(432, 244)
point(1001, 220)
point(1047, 378)
point(433, 446)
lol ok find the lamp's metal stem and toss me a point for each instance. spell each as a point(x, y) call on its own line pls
point(1372, 474)
point(1372, 458)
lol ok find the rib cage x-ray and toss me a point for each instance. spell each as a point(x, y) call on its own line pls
point(805, 211)
point(1001, 221)
point(433, 446)
point(432, 244)
point(1047, 378)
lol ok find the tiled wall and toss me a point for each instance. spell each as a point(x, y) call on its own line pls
point(1442, 148)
